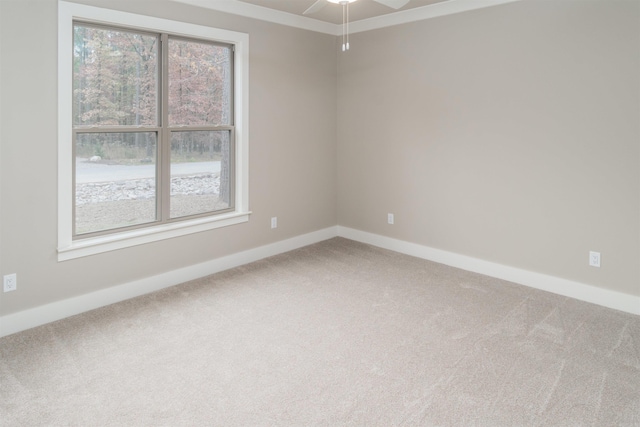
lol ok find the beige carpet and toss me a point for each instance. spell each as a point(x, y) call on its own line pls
point(338, 333)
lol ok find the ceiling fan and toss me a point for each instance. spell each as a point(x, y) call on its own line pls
point(320, 4)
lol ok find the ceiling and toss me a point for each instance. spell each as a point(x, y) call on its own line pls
point(364, 15)
point(332, 13)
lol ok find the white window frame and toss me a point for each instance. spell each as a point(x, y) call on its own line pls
point(71, 249)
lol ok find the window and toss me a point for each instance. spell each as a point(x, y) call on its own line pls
point(152, 129)
point(135, 106)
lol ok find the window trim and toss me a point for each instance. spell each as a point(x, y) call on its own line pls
point(67, 247)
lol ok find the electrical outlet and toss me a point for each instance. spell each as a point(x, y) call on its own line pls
point(274, 222)
point(594, 259)
point(390, 218)
point(10, 282)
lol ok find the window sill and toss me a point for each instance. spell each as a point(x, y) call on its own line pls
point(112, 242)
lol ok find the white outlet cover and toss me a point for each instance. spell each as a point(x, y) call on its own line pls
point(10, 282)
point(594, 259)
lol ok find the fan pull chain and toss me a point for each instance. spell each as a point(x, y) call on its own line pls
point(345, 25)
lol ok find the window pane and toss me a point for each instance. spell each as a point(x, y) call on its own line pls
point(200, 172)
point(199, 83)
point(115, 180)
point(115, 77)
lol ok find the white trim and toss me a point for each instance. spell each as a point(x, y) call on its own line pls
point(264, 14)
point(12, 323)
point(421, 13)
point(69, 248)
point(20, 321)
point(580, 291)
point(111, 242)
point(1, 144)
point(306, 23)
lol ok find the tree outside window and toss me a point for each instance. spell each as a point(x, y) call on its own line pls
point(153, 128)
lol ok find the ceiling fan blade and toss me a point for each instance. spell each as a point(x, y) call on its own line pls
point(315, 7)
point(394, 4)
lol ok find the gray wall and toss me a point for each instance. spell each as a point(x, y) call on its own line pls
point(509, 134)
point(292, 152)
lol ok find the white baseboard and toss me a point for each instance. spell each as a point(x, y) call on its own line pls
point(580, 291)
point(20, 321)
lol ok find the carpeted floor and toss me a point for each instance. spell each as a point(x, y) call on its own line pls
point(337, 333)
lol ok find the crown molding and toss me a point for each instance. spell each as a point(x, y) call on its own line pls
point(248, 10)
point(265, 14)
point(435, 10)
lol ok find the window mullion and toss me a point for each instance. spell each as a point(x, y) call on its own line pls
point(114, 129)
point(164, 164)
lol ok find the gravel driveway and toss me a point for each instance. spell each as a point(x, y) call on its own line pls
point(110, 196)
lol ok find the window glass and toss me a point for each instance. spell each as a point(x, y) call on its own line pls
point(200, 178)
point(115, 180)
point(199, 83)
point(115, 77)
point(120, 178)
